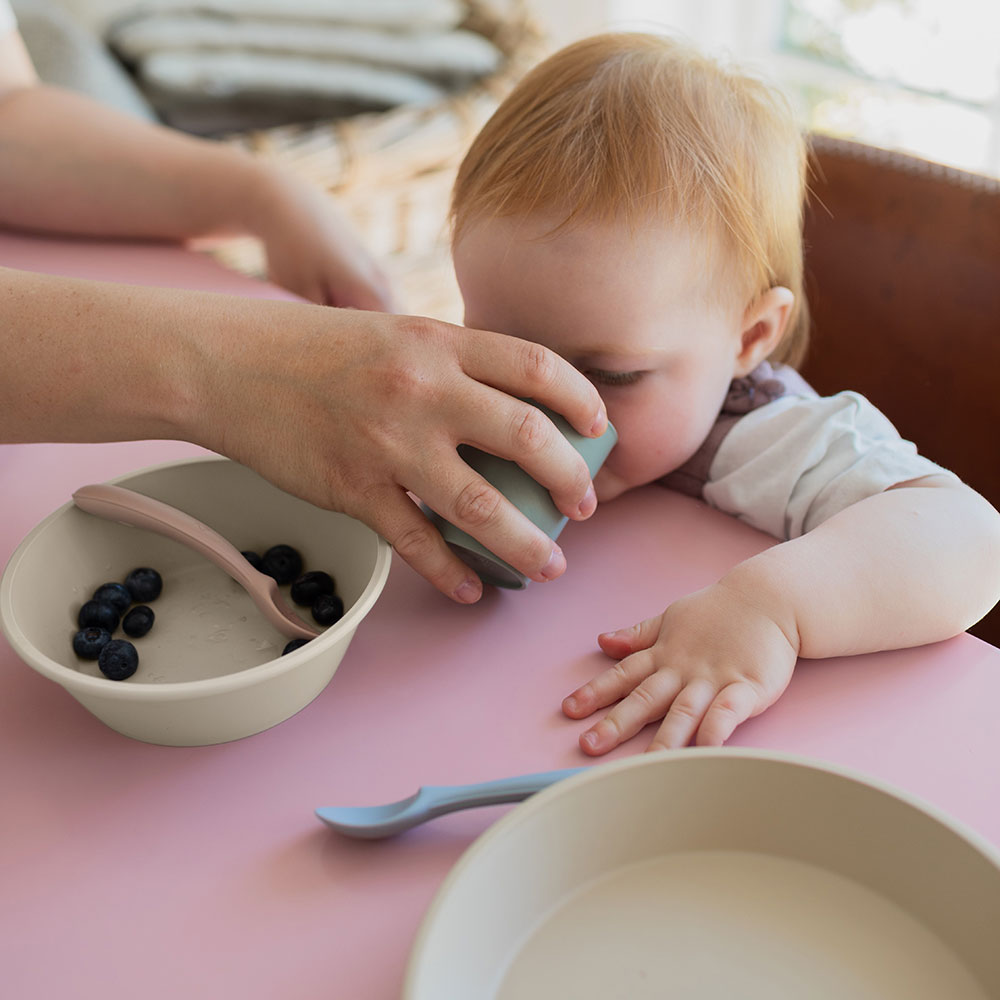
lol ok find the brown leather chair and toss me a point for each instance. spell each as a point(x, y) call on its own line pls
point(903, 281)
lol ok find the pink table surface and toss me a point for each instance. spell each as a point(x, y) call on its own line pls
point(130, 870)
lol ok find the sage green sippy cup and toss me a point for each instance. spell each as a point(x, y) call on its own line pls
point(526, 494)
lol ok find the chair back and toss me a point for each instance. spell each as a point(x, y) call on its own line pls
point(903, 282)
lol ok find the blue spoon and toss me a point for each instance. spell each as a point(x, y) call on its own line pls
point(371, 822)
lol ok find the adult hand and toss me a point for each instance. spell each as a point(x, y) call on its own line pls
point(347, 409)
point(712, 660)
point(352, 410)
point(313, 250)
point(73, 165)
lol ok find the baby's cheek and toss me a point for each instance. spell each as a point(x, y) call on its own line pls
point(628, 468)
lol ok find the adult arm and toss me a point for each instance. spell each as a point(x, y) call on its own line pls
point(71, 165)
point(345, 408)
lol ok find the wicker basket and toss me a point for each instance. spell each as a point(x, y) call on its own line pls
point(392, 171)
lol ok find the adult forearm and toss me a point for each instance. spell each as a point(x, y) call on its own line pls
point(71, 165)
point(92, 361)
point(908, 566)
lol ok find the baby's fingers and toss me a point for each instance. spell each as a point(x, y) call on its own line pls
point(646, 703)
point(609, 686)
point(625, 641)
point(686, 715)
point(734, 704)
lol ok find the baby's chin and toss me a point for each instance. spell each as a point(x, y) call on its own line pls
point(608, 485)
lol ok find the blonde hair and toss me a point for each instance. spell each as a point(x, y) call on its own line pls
point(629, 127)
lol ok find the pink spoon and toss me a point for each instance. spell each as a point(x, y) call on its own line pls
point(115, 503)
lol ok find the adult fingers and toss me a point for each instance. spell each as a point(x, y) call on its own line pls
point(528, 370)
point(685, 715)
point(298, 281)
point(513, 429)
point(645, 703)
point(734, 704)
point(461, 496)
point(371, 291)
point(400, 522)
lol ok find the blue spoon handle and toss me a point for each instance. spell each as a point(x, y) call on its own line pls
point(372, 822)
point(441, 799)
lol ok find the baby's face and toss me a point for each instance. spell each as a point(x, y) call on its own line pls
point(630, 310)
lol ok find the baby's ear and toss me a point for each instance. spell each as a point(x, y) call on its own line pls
point(764, 325)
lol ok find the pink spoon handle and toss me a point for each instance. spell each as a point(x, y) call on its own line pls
point(115, 503)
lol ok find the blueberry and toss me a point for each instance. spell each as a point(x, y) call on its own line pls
point(88, 642)
point(118, 659)
point(283, 563)
point(98, 613)
point(292, 645)
point(115, 594)
point(138, 621)
point(144, 584)
point(327, 609)
point(309, 586)
point(254, 560)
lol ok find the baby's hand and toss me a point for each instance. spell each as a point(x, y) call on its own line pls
point(712, 660)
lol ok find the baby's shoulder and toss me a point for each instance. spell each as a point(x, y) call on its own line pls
point(778, 445)
point(788, 465)
point(774, 403)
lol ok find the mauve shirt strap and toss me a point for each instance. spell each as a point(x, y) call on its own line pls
point(763, 385)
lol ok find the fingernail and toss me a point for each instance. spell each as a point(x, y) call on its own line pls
point(589, 502)
point(468, 591)
point(570, 704)
point(590, 738)
point(600, 424)
point(555, 566)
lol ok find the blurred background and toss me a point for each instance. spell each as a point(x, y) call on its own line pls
point(377, 99)
point(921, 76)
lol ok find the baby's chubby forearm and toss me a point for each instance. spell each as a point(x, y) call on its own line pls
point(915, 564)
point(70, 165)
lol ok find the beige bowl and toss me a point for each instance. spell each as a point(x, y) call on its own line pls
point(716, 874)
point(210, 670)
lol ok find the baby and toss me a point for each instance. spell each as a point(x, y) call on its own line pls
point(637, 208)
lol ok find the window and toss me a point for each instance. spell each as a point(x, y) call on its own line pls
point(917, 75)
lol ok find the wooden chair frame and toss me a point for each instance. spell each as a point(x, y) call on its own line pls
point(903, 282)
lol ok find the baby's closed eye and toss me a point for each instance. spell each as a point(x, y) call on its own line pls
point(600, 377)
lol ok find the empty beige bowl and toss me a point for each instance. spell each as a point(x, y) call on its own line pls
point(211, 669)
point(711, 875)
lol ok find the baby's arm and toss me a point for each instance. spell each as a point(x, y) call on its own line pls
point(916, 563)
point(913, 564)
point(70, 165)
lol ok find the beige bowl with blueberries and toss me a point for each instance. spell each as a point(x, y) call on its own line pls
point(211, 668)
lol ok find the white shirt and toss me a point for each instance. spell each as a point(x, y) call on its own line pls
point(788, 466)
point(7, 21)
